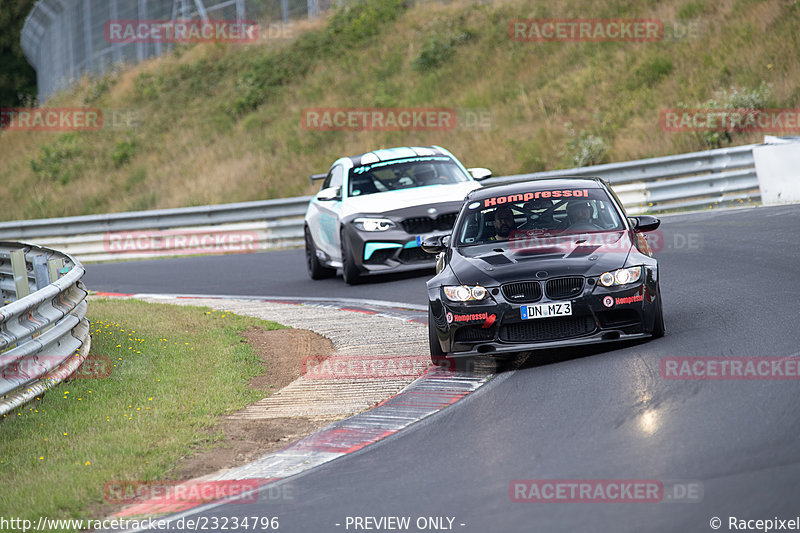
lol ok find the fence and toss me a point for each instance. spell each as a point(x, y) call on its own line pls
point(44, 334)
point(688, 181)
point(65, 39)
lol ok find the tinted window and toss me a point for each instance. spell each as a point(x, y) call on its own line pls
point(546, 213)
point(404, 174)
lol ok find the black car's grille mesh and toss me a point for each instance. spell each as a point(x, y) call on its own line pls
point(546, 329)
point(563, 288)
point(523, 291)
point(443, 222)
point(473, 334)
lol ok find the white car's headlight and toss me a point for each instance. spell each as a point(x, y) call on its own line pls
point(623, 276)
point(465, 293)
point(373, 224)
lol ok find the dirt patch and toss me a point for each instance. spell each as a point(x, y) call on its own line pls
point(281, 351)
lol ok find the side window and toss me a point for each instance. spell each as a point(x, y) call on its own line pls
point(334, 178)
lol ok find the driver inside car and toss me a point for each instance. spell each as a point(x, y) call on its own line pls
point(580, 216)
point(503, 223)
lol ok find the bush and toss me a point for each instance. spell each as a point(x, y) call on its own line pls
point(58, 161)
point(584, 149)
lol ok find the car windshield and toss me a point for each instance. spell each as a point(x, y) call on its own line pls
point(533, 214)
point(383, 176)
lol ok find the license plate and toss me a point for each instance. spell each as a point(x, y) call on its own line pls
point(546, 310)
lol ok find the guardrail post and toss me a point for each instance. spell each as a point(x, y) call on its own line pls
point(20, 272)
point(40, 272)
point(53, 268)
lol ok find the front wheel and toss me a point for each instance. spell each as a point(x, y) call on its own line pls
point(316, 270)
point(350, 271)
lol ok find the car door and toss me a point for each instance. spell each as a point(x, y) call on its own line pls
point(325, 212)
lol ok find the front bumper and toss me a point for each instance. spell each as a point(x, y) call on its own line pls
point(599, 314)
point(384, 251)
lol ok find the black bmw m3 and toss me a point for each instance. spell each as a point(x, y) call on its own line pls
point(542, 264)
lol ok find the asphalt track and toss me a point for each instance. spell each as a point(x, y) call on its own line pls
point(730, 288)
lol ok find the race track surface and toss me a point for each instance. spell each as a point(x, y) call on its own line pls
point(729, 284)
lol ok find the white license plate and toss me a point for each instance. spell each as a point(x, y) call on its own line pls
point(546, 310)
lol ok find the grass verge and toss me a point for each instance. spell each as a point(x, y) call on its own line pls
point(173, 371)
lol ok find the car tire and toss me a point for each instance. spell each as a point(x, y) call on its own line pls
point(350, 271)
point(658, 326)
point(316, 270)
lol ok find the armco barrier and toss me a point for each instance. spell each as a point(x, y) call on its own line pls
point(720, 177)
point(44, 333)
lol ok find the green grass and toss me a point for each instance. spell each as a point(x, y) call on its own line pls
point(175, 371)
point(221, 123)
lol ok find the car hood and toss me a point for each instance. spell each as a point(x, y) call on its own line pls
point(574, 255)
point(404, 198)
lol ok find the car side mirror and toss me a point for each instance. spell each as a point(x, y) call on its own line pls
point(331, 193)
point(435, 244)
point(644, 223)
point(479, 173)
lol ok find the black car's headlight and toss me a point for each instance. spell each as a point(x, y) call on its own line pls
point(465, 293)
point(373, 224)
point(622, 276)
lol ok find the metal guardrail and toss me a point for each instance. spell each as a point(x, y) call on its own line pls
point(695, 180)
point(699, 179)
point(44, 333)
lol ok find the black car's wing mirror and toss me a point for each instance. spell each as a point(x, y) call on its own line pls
point(435, 244)
point(644, 223)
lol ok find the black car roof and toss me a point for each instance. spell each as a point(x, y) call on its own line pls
point(542, 184)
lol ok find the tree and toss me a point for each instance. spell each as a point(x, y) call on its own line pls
point(17, 77)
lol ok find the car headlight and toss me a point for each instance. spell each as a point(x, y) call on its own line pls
point(465, 293)
point(373, 224)
point(623, 276)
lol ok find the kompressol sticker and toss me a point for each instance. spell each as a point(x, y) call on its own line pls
point(525, 197)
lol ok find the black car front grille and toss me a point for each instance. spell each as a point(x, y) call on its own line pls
point(417, 225)
point(522, 292)
point(547, 329)
point(473, 334)
point(564, 288)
